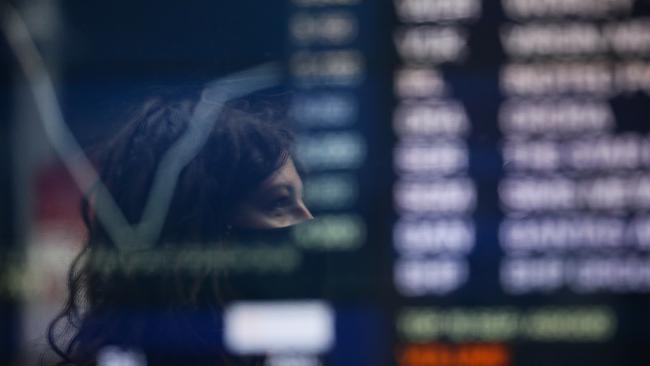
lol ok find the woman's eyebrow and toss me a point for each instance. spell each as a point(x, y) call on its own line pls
point(279, 187)
point(292, 189)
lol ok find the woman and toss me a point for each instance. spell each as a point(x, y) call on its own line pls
point(242, 178)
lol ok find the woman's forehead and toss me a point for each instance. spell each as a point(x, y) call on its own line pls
point(286, 175)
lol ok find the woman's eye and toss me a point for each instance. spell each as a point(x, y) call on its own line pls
point(280, 203)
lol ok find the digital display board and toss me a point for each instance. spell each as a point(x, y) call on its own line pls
point(479, 172)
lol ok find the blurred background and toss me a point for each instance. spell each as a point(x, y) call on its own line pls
point(480, 171)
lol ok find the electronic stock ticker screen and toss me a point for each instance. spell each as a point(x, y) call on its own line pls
point(480, 174)
point(488, 162)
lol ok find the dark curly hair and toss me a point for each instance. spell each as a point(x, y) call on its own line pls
point(171, 316)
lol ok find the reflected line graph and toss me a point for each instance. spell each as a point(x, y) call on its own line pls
point(213, 97)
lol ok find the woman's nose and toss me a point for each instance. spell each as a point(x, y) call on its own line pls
point(304, 212)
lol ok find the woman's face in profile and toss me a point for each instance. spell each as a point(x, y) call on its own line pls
point(276, 203)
